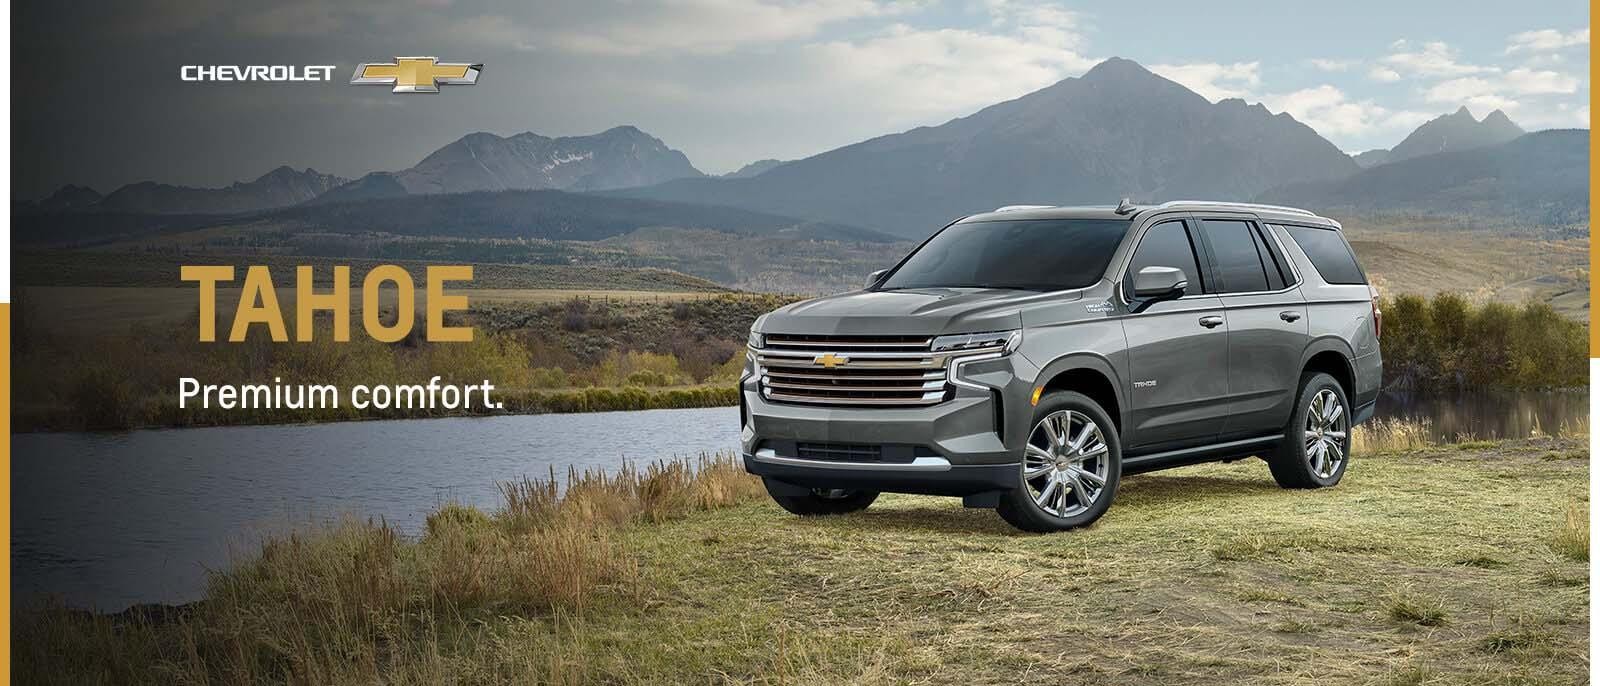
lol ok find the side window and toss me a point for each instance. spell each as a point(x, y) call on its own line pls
point(1236, 256)
point(1329, 254)
point(1165, 245)
point(1278, 273)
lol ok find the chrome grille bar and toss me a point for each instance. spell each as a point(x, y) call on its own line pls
point(868, 370)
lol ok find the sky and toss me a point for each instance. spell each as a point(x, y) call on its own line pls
point(100, 102)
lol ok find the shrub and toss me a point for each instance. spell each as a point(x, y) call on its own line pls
point(101, 398)
point(1449, 342)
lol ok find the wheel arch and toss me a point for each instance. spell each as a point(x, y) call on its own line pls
point(1091, 375)
point(1331, 356)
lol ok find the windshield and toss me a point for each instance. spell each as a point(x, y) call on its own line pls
point(1032, 254)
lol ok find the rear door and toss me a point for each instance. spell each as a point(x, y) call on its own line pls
point(1177, 350)
point(1267, 325)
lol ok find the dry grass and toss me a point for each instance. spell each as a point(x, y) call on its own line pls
point(1428, 566)
point(1572, 539)
point(1409, 606)
point(1385, 435)
point(355, 602)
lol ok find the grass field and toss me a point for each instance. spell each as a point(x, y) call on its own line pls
point(104, 309)
point(1484, 266)
point(1427, 565)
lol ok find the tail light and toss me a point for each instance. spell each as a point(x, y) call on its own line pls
point(1377, 314)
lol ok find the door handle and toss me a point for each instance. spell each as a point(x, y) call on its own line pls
point(1289, 316)
point(1211, 322)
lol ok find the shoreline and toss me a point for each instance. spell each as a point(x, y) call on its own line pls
point(516, 402)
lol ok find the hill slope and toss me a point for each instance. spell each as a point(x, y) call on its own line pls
point(280, 187)
point(1119, 130)
point(547, 214)
point(1540, 177)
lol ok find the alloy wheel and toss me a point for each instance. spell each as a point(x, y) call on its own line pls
point(1327, 434)
point(1066, 464)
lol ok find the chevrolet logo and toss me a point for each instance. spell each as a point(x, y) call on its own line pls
point(416, 74)
point(830, 360)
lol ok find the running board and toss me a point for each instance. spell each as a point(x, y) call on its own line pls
point(1198, 454)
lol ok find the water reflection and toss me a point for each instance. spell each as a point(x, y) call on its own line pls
point(1487, 414)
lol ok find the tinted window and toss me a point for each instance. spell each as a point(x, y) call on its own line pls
point(1234, 252)
point(1274, 277)
point(1278, 271)
point(1329, 254)
point(1165, 245)
point(1042, 254)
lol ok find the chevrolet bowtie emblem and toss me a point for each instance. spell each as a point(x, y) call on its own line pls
point(416, 74)
point(830, 360)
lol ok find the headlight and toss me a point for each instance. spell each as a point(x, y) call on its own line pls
point(755, 340)
point(976, 343)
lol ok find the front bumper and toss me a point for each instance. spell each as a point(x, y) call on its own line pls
point(926, 476)
point(968, 444)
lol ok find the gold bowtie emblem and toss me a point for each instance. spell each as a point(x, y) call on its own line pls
point(830, 360)
point(416, 74)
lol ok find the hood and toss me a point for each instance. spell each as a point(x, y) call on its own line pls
point(921, 311)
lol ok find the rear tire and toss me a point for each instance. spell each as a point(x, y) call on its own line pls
point(1316, 444)
point(821, 501)
point(1070, 467)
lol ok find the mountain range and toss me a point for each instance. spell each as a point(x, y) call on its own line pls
point(280, 187)
point(1540, 178)
point(1117, 131)
point(1447, 133)
point(620, 157)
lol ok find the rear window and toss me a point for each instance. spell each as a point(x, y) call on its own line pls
point(1028, 254)
point(1329, 254)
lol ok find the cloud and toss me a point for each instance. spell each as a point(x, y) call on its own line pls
point(1038, 21)
point(291, 19)
point(1535, 82)
point(1546, 40)
point(494, 31)
point(1331, 113)
point(912, 71)
point(1213, 80)
point(1502, 91)
point(1432, 59)
point(710, 26)
point(1458, 90)
point(1383, 75)
point(1332, 65)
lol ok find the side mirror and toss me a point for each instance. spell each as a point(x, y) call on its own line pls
point(1155, 284)
point(875, 277)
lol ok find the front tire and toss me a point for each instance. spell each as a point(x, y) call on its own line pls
point(1070, 469)
point(1316, 443)
point(821, 502)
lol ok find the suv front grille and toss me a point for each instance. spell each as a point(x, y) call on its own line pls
point(851, 370)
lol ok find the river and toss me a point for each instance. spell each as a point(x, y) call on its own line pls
point(106, 520)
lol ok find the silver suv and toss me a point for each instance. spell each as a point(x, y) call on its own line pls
point(1026, 359)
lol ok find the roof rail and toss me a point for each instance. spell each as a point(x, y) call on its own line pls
point(1014, 208)
point(1244, 205)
